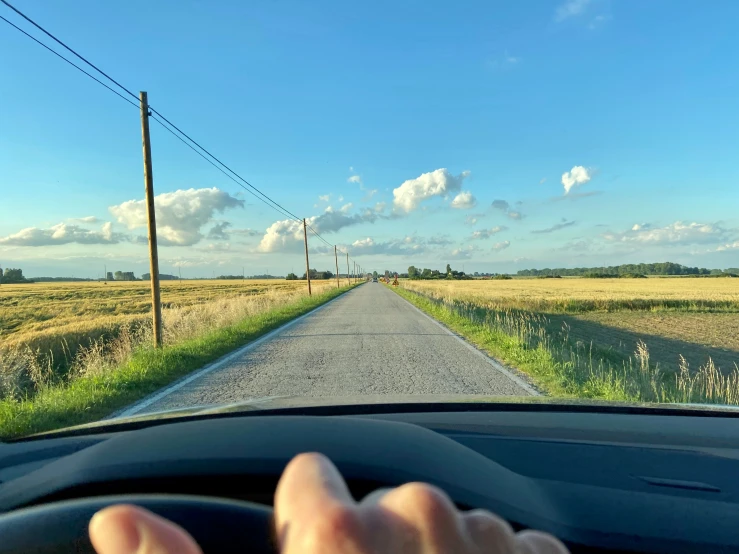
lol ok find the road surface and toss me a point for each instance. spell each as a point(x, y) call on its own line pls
point(369, 341)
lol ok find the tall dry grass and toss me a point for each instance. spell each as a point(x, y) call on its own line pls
point(575, 367)
point(26, 368)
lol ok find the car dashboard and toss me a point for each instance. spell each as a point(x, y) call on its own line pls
point(601, 482)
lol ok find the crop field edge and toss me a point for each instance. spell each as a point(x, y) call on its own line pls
point(89, 399)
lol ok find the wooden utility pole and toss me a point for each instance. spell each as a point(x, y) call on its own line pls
point(336, 259)
point(307, 263)
point(156, 304)
point(347, 269)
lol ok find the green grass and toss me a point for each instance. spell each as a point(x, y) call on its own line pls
point(562, 367)
point(88, 399)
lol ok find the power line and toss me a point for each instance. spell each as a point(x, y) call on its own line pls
point(274, 204)
point(70, 62)
point(254, 190)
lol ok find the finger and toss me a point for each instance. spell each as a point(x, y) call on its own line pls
point(536, 542)
point(125, 529)
point(432, 521)
point(375, 496)
point(488, 532)
point(313, 506)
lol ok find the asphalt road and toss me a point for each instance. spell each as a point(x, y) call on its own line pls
point(369, 341)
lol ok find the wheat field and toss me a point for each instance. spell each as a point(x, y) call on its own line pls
point(656, 339)
point(50, 331)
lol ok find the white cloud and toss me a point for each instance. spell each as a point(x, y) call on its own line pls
point(63, 233)
point(324, 197)
point(282, 236)
point(577, 176)
point(570, 8)
point(180, 214)
point(487, 233)
point(340, 198)
point(463, 253)
point(412, 192)
point(355, 179)
point(498, 246)
point(88, 219)
point(515, 215)
point(346, 208)
point(380, 207)
point(731, 246)
point(287, 235)
point(470, 220)
point(678, 233)
point(464, 201)
point(404, 247)
point(439, 240)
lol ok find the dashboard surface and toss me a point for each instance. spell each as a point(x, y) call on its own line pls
point(599, 482)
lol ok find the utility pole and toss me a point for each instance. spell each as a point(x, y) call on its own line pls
point(105, 277)
point(336, 259)
point(307, 263)
point(156, 304)
point(179, 269)
point(347, 269)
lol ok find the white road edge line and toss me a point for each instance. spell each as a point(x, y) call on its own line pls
point(148, 401)
point(495, 363)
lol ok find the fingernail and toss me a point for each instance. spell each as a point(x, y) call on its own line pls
point(114, 533)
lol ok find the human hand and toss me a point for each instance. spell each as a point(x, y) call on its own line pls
point(314, 512)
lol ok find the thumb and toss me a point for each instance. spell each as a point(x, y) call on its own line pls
point(125, 529)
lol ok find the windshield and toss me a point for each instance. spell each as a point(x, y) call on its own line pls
point(227, 202)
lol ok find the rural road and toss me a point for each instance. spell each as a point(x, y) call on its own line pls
point(369, 341)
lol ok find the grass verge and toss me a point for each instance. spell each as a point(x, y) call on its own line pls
point(562, 367)
point(88, 399)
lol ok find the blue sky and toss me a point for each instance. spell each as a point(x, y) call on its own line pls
point(604, 131)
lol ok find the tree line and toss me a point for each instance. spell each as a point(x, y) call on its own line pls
point(661, 268)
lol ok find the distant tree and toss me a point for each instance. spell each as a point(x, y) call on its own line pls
point(14, 276)
point(1, 274)
point(374, 274)
point(412, 272)
point(448, 269)
point(119, 276)
point(291, 277)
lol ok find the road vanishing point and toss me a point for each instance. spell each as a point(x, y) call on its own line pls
point(368, 341)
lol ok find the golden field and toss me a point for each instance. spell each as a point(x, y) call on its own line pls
point(682, 322)
point(48, 329)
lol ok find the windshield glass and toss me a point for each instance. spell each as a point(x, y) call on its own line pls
point(293, 203)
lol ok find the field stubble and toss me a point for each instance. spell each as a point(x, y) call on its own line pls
point(52, 332)
point(656, 340)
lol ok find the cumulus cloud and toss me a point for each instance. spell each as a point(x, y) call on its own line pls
point(404, 247)
point(505, 207)
point(731, 246)
point(180, 215)
point(501, 205)
point(380, 207)
point(245, 232)
point(463, 253)
point(471, 219)
point(555, 227)
point(678, 233)
point(287, 235)
point(218, 231)
point(324, 197)
point(464, 201)
point(88, 219)
point(412, 192)
point(577, 176)
point(515, 215)
point(487, 233)
point(498, 246)
point(355, 179)
point(63, 233)
point(570, 8)
point(346, 208)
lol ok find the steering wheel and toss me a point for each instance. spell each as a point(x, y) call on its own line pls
point(216, 524)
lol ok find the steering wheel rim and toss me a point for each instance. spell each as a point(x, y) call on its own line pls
point(216, 524)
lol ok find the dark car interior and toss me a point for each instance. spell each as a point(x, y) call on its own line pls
point(616, 480)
